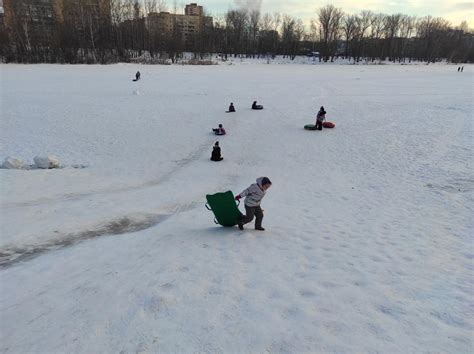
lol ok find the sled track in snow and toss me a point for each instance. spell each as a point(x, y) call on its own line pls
point(460, 185)
point(193, 156)
point(123, 225)
point(10, 255)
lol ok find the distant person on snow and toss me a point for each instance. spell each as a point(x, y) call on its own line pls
point(216, 153)
point(231, 107)
point(459, 68)
point(462, 68)
point(253, 197)
point(320, 118)
point(256, 106)
point(219, 131)
point(137, 76)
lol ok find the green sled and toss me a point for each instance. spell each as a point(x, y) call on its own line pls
point(225, 209)
point(310, 127)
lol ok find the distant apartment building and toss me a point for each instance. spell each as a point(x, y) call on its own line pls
point(188, 25)
point(81, 13)
point(2, 16)
point(3, 34)
point(193, 10)
point(36, 22)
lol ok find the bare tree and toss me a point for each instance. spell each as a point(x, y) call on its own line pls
point(299, 34)
point(220, 35)
point(377, 26)
point(392, 28)
point(266, 22)
point(330, 20)
point(463, 27)
point(237, 22)
point(407, 27)
point(267, 36)
point(349, 27)
point(313, 34)
point(154, 6)
point(291, 34)
point(254, 23)
point(431, 32)
point(117, 11)
point(277, 20)
point(85, 31)
point(364, 21)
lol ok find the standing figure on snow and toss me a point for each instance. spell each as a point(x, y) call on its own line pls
point(137, 76)
point(459, 68)
point(462, 68)
point(253, 197)
point(219, 131)
point(320, 118)
point(216, 153)
point(231, 107)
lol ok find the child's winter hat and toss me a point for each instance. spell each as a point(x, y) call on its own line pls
point(266, 180)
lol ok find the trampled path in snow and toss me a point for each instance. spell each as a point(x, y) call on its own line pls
point(123, 225)
point(367, 247)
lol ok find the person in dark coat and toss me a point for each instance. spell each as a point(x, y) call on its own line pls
point(320, 118)
point(137, 76)
point(256, 106)
point(231, 107)
point(216, 153)
point(459, 68)
point(462, 68)
point(219, 131)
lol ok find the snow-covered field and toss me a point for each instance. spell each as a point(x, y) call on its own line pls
point(368, 244)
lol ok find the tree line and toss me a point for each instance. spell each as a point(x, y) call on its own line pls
point(85, 34)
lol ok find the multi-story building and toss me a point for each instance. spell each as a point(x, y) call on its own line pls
point(193, 10)
point(160, 23)
point(3, 34)
point(2, 16)
point(82, 11)
point(35, 22)
point(188, 25)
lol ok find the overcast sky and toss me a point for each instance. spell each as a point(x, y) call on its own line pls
point(454, 11)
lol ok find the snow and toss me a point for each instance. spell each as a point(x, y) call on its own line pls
point(13, 163)
point(368, 242)
point(50, 161)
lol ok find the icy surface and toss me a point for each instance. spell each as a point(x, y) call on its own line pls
point(368, 242)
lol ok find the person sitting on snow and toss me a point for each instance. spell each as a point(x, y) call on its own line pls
point(216, 152)
point(219, 131)
point(256, 106)
point(231, 107)
point(253, 197)
point(320, 118)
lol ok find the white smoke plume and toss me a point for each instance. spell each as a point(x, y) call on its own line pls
point(249, 5)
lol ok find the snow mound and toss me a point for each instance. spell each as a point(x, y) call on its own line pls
point(50, 161)
point(14, 164)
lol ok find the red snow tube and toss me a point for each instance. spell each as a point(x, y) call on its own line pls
point(328, 125)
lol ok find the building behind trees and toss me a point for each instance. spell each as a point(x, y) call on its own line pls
point(91, 31)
